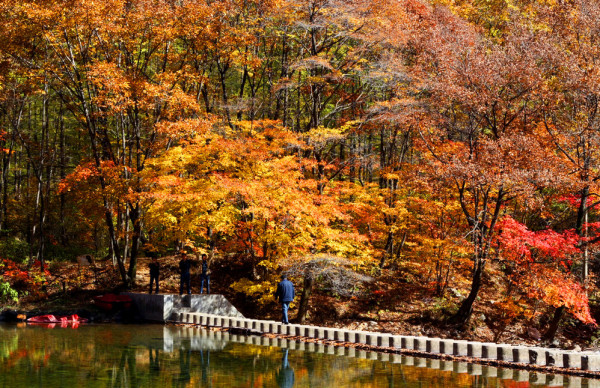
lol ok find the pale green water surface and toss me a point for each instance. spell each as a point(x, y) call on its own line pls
point(170, 356)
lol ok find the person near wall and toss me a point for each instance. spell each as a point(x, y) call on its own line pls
point(154, 271)
point(205, 275)
point(184, 274)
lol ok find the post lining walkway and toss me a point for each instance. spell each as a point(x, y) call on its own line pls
point(530, 356)
point(519, 375)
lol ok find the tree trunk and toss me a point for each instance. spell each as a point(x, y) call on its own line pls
point(309, 281)
point(113, 245)
point(389, 249)
point(551, 332)
point(581, 229)
point(134, 216)
point(463, 314)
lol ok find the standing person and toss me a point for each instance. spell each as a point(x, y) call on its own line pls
point(285, 294)
point(154, 271)
point(205, 275)
point(184, 273)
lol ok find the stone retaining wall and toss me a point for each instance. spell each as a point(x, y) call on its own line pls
point(161, 307)
point(586, 361)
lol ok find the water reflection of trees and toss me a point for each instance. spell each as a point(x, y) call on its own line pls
point(150, 356)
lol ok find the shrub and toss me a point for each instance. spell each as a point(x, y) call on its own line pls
point(7, 293)
point(14, 249)
point(23, 281)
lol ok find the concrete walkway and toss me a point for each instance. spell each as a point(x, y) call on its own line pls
point(534, 356)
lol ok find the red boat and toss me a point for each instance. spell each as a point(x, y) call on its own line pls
point(50, 320)
point(110, 302)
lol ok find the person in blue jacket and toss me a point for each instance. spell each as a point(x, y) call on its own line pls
point(285, 295)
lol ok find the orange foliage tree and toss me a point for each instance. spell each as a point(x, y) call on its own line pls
point(538, 264)
point(243, 193)
point(272, 132)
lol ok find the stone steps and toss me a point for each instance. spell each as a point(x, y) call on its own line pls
point(587, 361)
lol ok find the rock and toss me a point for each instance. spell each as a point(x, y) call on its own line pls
point(534, 333)
point(9, 316)
point(341, 311)
point(455, 292)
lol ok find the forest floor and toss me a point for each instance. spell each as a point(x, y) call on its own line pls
point(392, 304)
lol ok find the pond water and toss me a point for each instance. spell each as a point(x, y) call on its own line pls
point(174, 356)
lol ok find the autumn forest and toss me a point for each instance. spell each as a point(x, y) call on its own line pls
point(365, 146)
